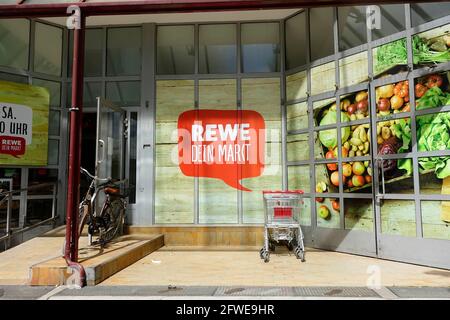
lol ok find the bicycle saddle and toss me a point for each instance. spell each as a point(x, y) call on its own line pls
point(112, 191)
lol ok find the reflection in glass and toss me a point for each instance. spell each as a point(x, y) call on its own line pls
point(217, 48)
point(296, 41)
point(321, 32)
point(14, 43)
point(260, 47)
point(424, 12)
point(48, 49)
point(124, 51)
point(93, 60)
point(392, 20)
point(53, 152)
point(352, 26)
point(125, 93)
point(54, 89)
point(175, 50)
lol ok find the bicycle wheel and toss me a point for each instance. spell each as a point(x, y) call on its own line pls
point(83, 215)
point(115, 213)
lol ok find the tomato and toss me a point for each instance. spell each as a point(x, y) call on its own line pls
point(320, 200)
point(330, 155)
point(434, 80)
point(420, 90)
point(335, 205)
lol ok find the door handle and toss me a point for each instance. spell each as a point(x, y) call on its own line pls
point(146, 146)
point(102, 146)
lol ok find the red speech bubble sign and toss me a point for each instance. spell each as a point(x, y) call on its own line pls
point(14, 146)
point(224, 144)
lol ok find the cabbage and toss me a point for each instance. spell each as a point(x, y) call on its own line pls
point(433, 134)
point(329, 137)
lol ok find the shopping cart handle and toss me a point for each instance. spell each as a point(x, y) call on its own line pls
point(285, 191)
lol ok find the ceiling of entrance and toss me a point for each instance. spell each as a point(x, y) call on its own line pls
point(185, 17)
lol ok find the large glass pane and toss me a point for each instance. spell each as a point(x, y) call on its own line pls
point(54, 88)
point(431, 47)
point(424, 12)
point(174, 192)
point(125, 93)
point(124, 51)
point(53, 123)
point(217, 200)
point(14, 42)
point(296, 86)
point(263, 95)
point(48, 49)
point(296, 41)
point(352, 26)
point(298, 178)
point(353, 69)
point(42, 176)
point(297, 116)
point(260, 47)
point(13, 77)
point(38, 210)
point(217, 48)
point(91, 90)
point(175, 50)
point(436, 219)
point(397, 176)
point(297, 147)
point(53, 152)
point(321, 32)
point(133, 156)
point(323, 78)
point(93, 51)
point(398, 217)
point(392, 20)
point(390, 58)
point(327, 215)
point(358, 214)
point(434, 175)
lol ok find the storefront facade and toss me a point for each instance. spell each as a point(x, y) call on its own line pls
point(293, 67)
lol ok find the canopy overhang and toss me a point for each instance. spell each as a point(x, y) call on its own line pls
point(27, 8)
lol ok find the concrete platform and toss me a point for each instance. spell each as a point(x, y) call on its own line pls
point(184, 266)
point(99, 263)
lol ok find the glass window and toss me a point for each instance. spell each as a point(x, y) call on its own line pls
point(327, 215)
point(15, 174)
point(53, 152)
point(217, 200)
point(298, 178)
point(54, 89)
point(260, 47)
point(296, 41)
point(352, 26)
point(356, 176)
point(14, 42)
point(353, 69)
point(297, 147)
point(175, 50)
point(48, 49)
point(358, 214)
point(296, 86)
point(392, 20)
point(42, 176)
point(13, 77)
point(91, 90)
point(434, 175)
point(297, 116)
point(263, 95)
point(323, 78)
point(93, 51)
point(53, 124)
point(217, 48)
point(174, 192)
point(436, 219)
point(124, 51)
point(321, 32)
point(397, 176)
point(38, 210)
point(125, 93)
point(398, 217)
point(424, 12)
point(133, 156)
point(390, 57)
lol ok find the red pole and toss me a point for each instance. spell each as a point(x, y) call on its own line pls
point(75, 134)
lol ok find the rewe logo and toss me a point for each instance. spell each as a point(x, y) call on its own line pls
point(223, 144)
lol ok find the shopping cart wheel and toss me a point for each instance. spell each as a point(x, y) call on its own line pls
point(271, 246)
point(300, 254)
point(266, 256)
point(261, 252)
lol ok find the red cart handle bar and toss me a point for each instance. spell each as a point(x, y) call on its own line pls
point(288, 191)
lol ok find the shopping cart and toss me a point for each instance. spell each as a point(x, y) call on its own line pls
point(282, 214)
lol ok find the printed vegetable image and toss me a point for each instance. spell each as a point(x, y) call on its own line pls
point(329, 137)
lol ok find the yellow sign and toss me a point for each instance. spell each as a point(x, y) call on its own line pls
point(23, 124)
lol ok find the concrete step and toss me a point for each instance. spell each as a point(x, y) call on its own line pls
point(99, 263)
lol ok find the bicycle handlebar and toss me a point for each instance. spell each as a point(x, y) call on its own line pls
point(82, 170)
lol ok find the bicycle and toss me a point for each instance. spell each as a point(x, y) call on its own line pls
point(108, 223)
